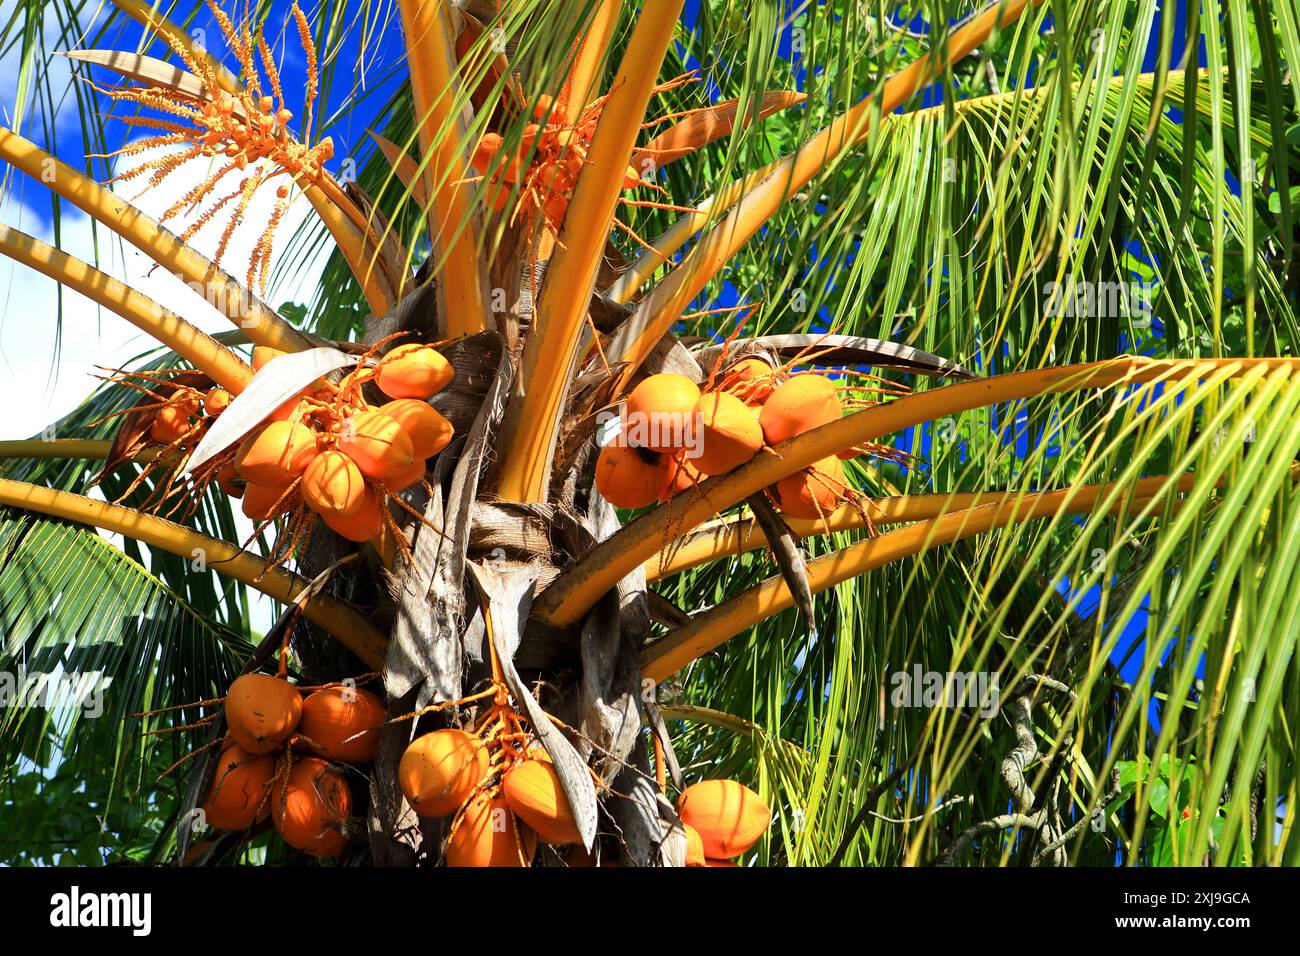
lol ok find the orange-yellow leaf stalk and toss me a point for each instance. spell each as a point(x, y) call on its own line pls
point(206, 354)
point(238, 304)
point(37, 448)
point(575, 591)
point(533, 417)
point(706, 631)
point(736, 535)
point(583, 83)
point(351, 628)
point(453, 224)
point(665, 303)
point(147, 15)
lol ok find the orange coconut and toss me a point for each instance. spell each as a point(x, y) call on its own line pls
point(428, 430)
point(239, 789)
point(263, 354)
point(228, 480)
point(663, 406)
point(333, 485)
point(630, 477)
point(532, 790)
point(277, 454)
point(728, 816)
point(216, 401)
point(308, 809)
point(685, 475)
point(406, 479)
point(751, 380)
point(440, 770)
point(488, 834)
point(365, 524)
point(694, 846)
point(264, 502)
point(342, 723)
point(413, 371)
point(813, 492)
point(377, 443)
point(729, 435)
point(798, 405)
point(172, 422)
point(262, 711)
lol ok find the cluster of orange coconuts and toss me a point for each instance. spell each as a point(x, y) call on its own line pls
point(751, 405)
point(281, 759)
point(503, 801)
point(179, 415)
point(329, 449)
point(503, 807)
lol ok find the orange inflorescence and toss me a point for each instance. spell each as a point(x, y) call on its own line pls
point(544, 167)
point(246, 132)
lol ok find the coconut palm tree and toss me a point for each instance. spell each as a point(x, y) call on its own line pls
point(1044, 254)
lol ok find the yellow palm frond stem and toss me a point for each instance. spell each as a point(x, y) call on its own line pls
point(147, 14)
point(577, 589)
point(90, 449)
point(453, 223)
point(359, 246)
point(217, 286)
point(532, 418)
point(584, 81)
point(736, 535)
point(206, 354)
point(680, 232)
point(711, 628)
point(665, 303)
point(350, 627)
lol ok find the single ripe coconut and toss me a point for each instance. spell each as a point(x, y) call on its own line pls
point(813, 492)
point(308, 809)
point(662, 409)
point(262, 711)
point(277, 454)
point(413, 371)
point(728, 816)
point(751, 380)
point(428, 430)
point(240, 789)
point(228, 480)
point(730, 435)
point(798, 405)
point(342, 723)
point(263, 354)
point(365, 524)
point(694, 846)
point(440, 770)
point(264, 502)
point(407, 479)
point(685, 475)
point(216, 401)
point(488, 834)
point(630, 477)
point(333, 485)
point(377, 443)
point(532, 790)
point(171, 423)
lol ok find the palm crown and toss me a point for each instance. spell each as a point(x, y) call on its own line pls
point(1034, 262)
